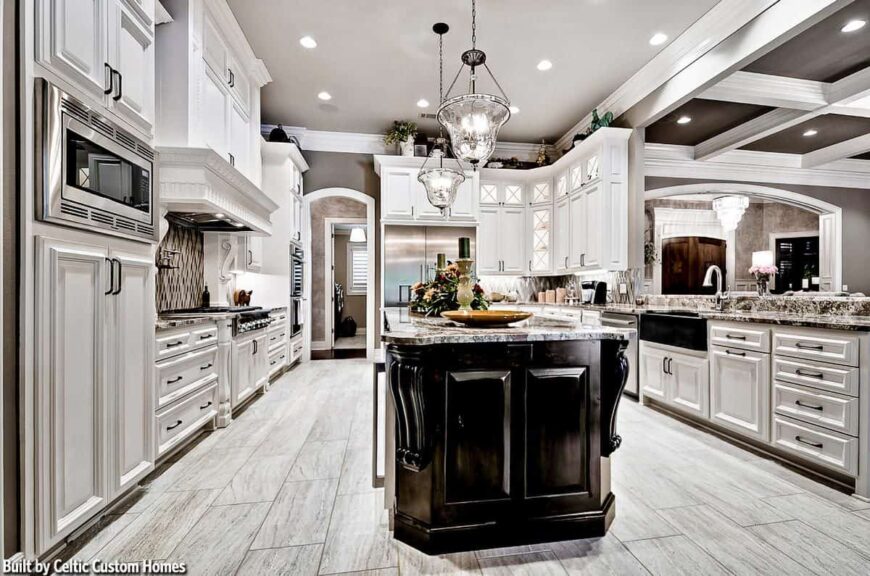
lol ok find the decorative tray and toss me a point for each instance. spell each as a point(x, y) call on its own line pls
point(487, 318)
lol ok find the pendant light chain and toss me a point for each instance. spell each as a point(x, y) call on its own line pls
point(473, 24)
point(440, 69)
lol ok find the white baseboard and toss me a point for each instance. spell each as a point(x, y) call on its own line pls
point(319, 345)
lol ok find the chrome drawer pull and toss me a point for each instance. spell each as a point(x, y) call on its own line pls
point(174, 344)
point(273, 362)
point(206, 336)
point(730, 353)
point(810, 406)
point(176, 379)
point(803, 346)
point(174, 426)
point(206, 405)
point(808, 443)
point(802, 372)
point(735, 337)
point(206, 366)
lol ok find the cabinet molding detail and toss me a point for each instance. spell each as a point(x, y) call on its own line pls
point(413, 439)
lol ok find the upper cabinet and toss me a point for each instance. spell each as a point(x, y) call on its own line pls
point(211, 99)
point(103, 52)
point(404, 200)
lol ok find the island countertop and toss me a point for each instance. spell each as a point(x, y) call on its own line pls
point(428, 331)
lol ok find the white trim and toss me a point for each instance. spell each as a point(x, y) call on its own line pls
point(369, 202)
point(670, 161)
point(774, 236)
point(743, 134)
point(769, 90)
point(329, 273)
point(713, 28)
point(824, 209)
point(845, 149)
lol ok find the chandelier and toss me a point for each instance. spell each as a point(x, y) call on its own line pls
point(729, 210)
point(440, 183)
point(473, 120)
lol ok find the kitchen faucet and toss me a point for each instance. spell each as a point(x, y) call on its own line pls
point(708, 281)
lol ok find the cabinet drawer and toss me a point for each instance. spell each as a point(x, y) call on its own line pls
point(171, 343)
point(178, 422)
point(276, 339)
point(843, 380)
point(181, 375)
point(277, 360)
point(203, 336)
point(828, 346)
point(838, 413)
point(295, 350)
point(818, 445)
point(745, 337)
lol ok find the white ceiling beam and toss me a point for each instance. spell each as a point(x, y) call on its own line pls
point(850, 89)
point(723, 20)
point(776, 25)
point(761, 127)
point(838, 151)
point(769, 90)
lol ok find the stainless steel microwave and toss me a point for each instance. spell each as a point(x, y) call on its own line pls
point(90, 173)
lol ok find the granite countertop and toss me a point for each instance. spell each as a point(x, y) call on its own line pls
point(176, 320)
point(428, 331)
point(856, 323)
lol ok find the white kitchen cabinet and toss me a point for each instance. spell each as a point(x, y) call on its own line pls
point(652, 371)
point(577, 229)
point(674, 377)
point(740, 391)
point(93, 377)
point(397, 199)
point(594, 228)
point(501, 241)
point(249, 254)
point(464, 207)
point(541, 234)
point(296, 229)
point(501, 193)
point(541, 192)
point(562, 235)
point(104, 51)
point(214, 112)
point(250, 366)
point(488, 260)
point(404, 200)
point(240, 136)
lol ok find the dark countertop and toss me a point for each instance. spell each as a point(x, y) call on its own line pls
point(428, 331)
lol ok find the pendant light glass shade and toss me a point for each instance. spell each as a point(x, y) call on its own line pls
point(440, 183)
point(472, 121)
point(729, 210)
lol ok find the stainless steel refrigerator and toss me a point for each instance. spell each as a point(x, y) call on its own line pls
point(410, 253)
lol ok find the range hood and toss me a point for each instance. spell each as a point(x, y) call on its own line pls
point(202, 189)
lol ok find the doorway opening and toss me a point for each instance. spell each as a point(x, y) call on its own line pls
point(348, 265)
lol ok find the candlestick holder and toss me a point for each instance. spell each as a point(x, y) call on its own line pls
point(465, 290)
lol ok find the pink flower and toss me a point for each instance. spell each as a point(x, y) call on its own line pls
point(765, 270)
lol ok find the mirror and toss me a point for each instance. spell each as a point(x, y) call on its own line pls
point(684, 235)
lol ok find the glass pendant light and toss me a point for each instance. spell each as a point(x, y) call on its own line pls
point(473, 120)
point(440, 183)
point(729, 210)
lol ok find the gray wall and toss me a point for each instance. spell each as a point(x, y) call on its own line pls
point(855, 204)
point(357, 172)
point(353, 305)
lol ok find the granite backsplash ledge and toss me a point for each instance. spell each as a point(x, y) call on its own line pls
point(798, 304)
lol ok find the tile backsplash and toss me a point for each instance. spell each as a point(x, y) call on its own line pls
point(526, 287)
point(181, 287)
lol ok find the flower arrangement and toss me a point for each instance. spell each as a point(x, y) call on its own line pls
point(439, 295)
point(763, 272)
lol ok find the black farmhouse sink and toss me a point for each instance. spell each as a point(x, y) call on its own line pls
point(674, 328)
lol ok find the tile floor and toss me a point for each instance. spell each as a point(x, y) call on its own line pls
point(286, 490)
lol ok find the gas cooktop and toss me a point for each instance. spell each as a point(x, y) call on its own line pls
point(212, 310)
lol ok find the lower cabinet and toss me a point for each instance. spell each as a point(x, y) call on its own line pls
point(740, 391)
point(676, 378)
point(250, 366)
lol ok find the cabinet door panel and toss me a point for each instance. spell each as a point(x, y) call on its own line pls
point(240, 137)
point(214, 50)
point(487, 244)
point(690, 387)
point(132, 53)
point(398, 200)
point(215, 113)
point(243, 371)
point(71, 429)
point(240, 85)
point(71, 40)
point(562, 235)
point(132, 387)
point(740, 391)
point(652, 372)
point(477, 449)
point(556, 442)
point(511, 240)
point(541, 234)
point(593, 228)
point(463, 207)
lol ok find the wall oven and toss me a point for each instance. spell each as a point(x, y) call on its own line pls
point(296, 290)
point(89, 172)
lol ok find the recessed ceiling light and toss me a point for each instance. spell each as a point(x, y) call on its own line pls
point(422, 103)
point(325, 96)
point(684, 119)
point(514, 110)
point(219, 215)
point(544, 65)
point(811, 132)
point(658, 39)
point(853, 25)
point(308, 42)
point(238, 224)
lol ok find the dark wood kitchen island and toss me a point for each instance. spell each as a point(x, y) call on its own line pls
point(502, 436)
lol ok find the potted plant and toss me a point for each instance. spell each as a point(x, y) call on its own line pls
point(402, 133)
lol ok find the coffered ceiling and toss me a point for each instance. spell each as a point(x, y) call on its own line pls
point(707, 118)
point(377, 58)
point(829, 130)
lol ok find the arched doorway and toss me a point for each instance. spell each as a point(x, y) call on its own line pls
point(318, 294)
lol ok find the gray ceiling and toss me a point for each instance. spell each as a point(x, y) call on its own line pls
point(832, 129)
point(378, 57)
point(709, 118)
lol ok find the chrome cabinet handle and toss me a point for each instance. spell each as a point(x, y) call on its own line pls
point(120, 276)
point(110, 79)
point(174, 426)
point(206, 405)
point(664, 364)
point(120, 92)
point(206, 366)
point(176, 379)
point(803, 346)
point(206, 336)
point(111, 289)
point(174, 344)
point(809, 443)
point(810, 406)
point(731, 353)
point(802, 372)
point(670, 366)
point(735, 337)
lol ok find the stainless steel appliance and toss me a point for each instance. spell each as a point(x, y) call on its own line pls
point(593, 292)
point(614, 320)
point(89, 172)
point(245, 318)
point(410, 254)
point(297, 266)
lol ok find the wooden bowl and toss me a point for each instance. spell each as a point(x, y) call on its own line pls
point(486, 318)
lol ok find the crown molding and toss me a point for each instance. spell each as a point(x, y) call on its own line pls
point(277, 151)
point(668, 161)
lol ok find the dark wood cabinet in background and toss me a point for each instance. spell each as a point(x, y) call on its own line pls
point(685, 260)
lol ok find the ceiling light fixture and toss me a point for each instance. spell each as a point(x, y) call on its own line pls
point(440, 183)
point(853, 25)
point(729, 210)
point(422, 103)
point(544, 65)
point(684, 119)
point(357, 235)
point(219, 215)
point(514, 109)
point(658, 39)
point(473, 120)
point(308, 42)
point(811, 132)
point(325, 96)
